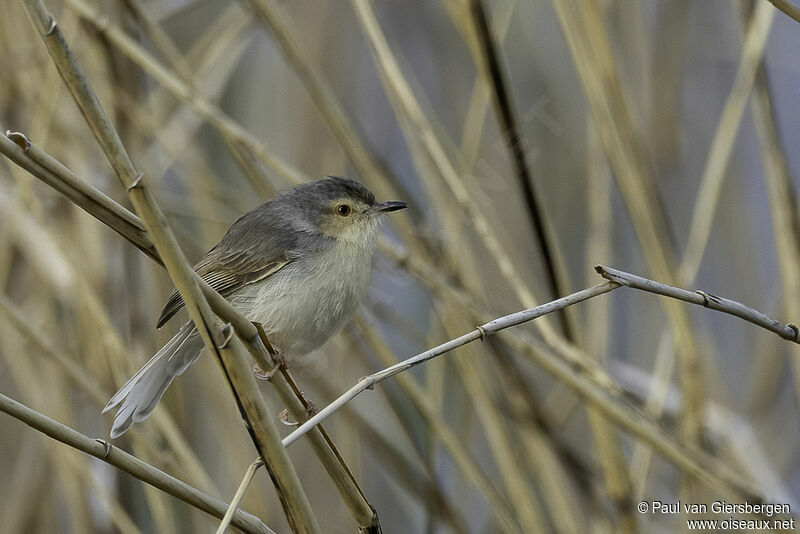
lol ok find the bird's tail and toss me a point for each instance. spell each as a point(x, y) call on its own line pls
point(141, 393)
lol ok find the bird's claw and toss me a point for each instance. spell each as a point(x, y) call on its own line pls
point(280, 363)
point(286, 419)
point(311, 411)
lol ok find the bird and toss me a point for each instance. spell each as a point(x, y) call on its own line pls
point(297, 264)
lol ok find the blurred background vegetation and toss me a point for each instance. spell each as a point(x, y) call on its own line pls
point(655, 140)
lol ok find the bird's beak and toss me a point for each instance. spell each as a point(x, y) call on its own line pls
point(389, 206)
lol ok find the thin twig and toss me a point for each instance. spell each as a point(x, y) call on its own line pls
point(237, 497)
point(480, 332)
point(701, 298)
point(130, 464)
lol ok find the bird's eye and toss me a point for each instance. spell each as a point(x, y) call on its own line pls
point(343, 209)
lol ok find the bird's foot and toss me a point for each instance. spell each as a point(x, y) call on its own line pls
point(311, 410)
point(280, 363)
point(285, 418)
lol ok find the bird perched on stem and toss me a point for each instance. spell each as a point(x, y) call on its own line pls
point(298, 264)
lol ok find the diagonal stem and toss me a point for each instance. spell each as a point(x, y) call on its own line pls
point(131, 465)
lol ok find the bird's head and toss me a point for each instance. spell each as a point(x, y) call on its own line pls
point(342, 208)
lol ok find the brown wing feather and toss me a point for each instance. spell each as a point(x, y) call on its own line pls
point(225, 274)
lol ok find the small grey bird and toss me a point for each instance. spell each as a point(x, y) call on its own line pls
point(298, 264)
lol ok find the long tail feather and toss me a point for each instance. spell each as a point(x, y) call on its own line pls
point(140, 394)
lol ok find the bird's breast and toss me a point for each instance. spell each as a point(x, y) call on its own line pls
point(308, 301)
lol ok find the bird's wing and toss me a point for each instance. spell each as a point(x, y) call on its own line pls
point(226, 273)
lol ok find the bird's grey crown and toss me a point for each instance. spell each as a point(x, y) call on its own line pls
point(321, 192)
